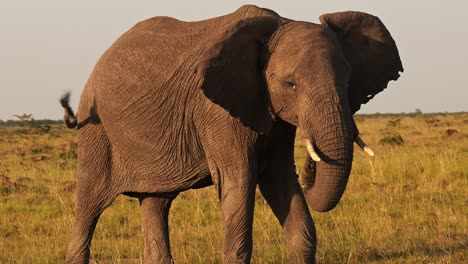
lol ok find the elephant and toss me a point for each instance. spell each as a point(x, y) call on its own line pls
point(175, 105)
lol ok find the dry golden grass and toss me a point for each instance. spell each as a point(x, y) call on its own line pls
point(406, 205)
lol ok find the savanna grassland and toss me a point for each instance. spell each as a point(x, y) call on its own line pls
point(408, 204)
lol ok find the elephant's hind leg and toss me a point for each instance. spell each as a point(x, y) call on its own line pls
point(155, 213)
point(94, 191)
point(86, 219)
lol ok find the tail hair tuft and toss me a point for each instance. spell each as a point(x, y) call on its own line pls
point(69, 117)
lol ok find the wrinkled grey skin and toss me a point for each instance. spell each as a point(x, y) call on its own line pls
point(173, 105)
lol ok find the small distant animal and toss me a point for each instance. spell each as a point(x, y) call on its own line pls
point(450, 132)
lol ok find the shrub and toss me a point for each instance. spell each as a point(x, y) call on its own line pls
point(394, 140)
point(393, 122)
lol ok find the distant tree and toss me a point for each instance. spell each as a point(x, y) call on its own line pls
point(25, 120)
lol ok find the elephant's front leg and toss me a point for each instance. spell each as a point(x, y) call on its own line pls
point(237, 202)
point(155, 213)
point(278, 184)
point(288, 204)
point(231, 153)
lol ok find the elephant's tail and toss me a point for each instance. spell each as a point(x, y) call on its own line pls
point(69, 117)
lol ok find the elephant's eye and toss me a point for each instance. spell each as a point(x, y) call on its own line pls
point(291, 85)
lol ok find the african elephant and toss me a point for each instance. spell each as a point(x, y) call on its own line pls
point(175, 105)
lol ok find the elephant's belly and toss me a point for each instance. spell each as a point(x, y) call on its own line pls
point(145, 170)
point(202, 183)
point(157, 153)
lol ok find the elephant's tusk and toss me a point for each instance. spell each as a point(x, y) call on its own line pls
point(310, 148)
point(363, 146)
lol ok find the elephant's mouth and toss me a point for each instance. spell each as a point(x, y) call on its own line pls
point(326, 174)
point(316, 157)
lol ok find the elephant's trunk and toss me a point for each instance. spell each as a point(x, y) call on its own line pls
point(329, 185)
point(332, 134)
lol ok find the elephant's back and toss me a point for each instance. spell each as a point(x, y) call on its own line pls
point(169, 25)
point(157, 48)
point(144, 70)
point(151, 67)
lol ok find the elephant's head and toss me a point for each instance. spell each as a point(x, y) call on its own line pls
point(312, 76)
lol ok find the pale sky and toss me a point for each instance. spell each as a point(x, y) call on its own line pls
point(48, 47)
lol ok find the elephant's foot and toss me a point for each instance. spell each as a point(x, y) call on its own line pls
point(76, 253)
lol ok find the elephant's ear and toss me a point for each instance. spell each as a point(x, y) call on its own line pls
point(232, 71)
point(369, 49)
